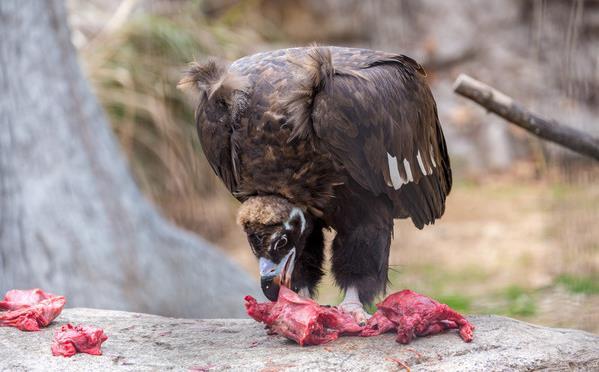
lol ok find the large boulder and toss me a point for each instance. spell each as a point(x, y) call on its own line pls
point(140, 342)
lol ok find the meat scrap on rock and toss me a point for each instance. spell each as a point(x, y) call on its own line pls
point(301, 319)
point(69, 340)
point(413, 314)
point(308, 323)
point(30, 310)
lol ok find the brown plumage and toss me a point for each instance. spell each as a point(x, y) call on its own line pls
point(350, 137)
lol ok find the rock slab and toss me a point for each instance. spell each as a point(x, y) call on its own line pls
point(141, 342)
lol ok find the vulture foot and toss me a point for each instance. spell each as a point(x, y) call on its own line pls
point(356, 310)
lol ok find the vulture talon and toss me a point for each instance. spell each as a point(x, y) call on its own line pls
point(356, 310)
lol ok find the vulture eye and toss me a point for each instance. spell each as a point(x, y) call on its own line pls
point(255, 241)
point(281, 242)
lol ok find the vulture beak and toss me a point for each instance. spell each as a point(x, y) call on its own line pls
point(273, 275)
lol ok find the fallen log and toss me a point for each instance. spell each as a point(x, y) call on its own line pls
point(504, 106)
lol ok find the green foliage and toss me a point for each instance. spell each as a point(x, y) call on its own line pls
point(587, 285)
point(519, 302)
point(440, 284)
point(457, 302)
point(437, 281)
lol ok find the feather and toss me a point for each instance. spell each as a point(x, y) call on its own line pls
point(203, 76)
point(317, 68)
point(211, 76)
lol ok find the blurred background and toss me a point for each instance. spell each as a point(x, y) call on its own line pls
point(519, 236)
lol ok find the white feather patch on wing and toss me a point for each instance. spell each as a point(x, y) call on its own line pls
point(433, 157)
point(421, 164)
point(396, 179)
point(406, 164)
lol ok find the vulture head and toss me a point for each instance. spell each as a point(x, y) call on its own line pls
point(277, 232)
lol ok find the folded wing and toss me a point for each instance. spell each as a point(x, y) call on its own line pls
point(380, 123)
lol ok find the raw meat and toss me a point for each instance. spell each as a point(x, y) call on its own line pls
point(307, 323)
point(378, 324)
point(413, 314)
point(29, 310)
point(69, 340)
point(301, 319)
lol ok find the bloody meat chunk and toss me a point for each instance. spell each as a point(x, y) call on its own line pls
point(29, 310)
point(301, 319)
point(69, 340)
point(378, 324)
point(413, 314)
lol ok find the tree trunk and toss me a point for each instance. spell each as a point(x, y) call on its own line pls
point(72, 220)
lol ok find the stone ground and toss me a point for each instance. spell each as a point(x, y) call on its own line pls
point(141, 342)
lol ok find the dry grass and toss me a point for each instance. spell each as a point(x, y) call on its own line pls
point(135, 71)
point(574, 213)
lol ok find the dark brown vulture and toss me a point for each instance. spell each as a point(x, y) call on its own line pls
point(323, 137)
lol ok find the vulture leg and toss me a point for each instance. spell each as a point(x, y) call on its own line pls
point(361, 248)
point(308, 270)
point(351, 304)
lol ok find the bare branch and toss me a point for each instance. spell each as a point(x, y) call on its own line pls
point(504, 106)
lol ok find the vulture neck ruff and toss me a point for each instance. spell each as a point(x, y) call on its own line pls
point(266, 210)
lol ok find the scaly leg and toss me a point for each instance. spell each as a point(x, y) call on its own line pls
point(351, 304)
point(360, 259)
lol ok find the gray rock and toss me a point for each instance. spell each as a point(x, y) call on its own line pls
point(71, 216)
point(140, 342)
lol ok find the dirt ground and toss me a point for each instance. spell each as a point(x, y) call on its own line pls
point(521, 248)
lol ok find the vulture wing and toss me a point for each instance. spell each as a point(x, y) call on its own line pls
point(219, 150)
point(379, 122)
point(222, 98)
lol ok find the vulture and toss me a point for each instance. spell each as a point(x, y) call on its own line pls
point(317, 138)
